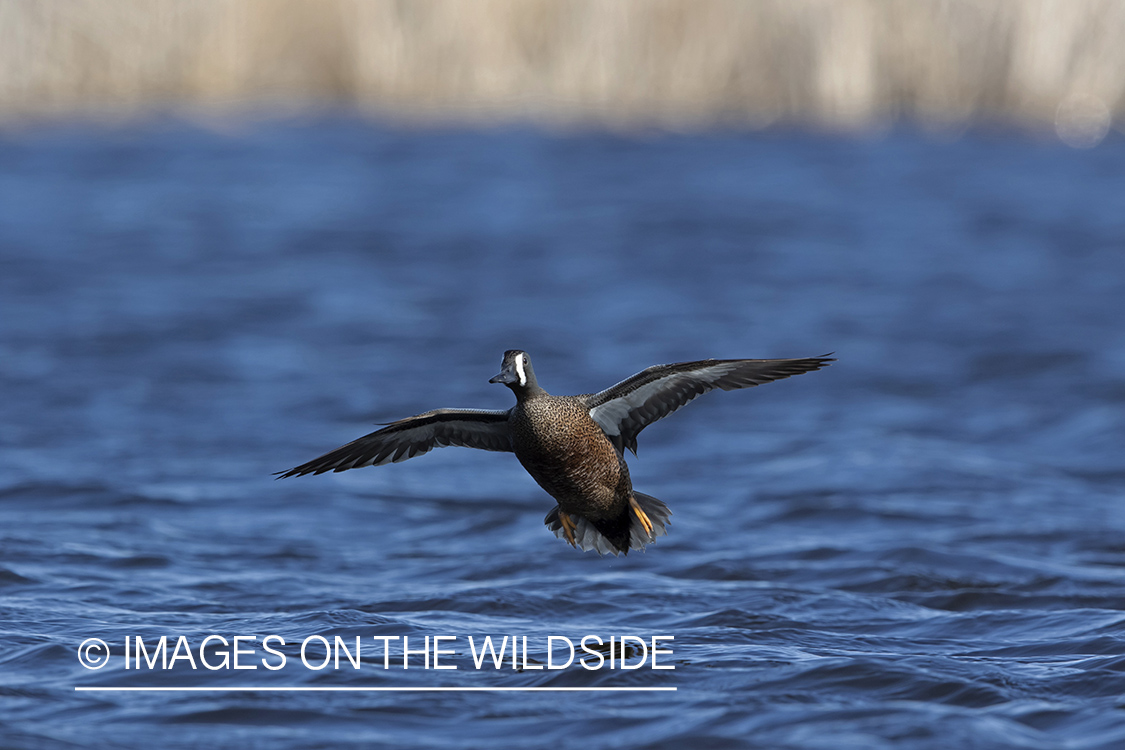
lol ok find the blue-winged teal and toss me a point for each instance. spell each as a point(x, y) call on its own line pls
point(573, 446)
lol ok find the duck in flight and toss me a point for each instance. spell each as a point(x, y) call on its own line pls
point(573, 446)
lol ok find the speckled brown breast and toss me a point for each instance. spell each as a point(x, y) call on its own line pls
point(567, 453)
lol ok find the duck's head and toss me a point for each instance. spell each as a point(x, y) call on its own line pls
point(516, 372)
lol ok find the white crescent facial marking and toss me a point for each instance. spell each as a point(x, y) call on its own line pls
point(519, 369)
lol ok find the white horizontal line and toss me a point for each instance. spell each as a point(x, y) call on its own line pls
point(252, 689)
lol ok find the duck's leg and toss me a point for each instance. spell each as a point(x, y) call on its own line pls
point(568, 527)
point(641, 516)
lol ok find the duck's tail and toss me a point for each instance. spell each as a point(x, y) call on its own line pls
point(644, 519)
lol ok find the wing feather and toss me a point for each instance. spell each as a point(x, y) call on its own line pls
point(413, 436)
point(625, 409)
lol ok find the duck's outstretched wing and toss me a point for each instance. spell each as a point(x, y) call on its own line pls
point(625, 409)
point(413, 436)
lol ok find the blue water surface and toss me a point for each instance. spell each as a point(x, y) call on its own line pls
point(922, 546)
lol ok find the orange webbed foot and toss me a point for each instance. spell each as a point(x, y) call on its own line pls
point(568, 527)
point(641, 516)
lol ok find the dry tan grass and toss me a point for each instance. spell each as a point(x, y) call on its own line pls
point(678, 63)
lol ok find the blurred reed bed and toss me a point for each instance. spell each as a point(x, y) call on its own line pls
point(676, 63)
